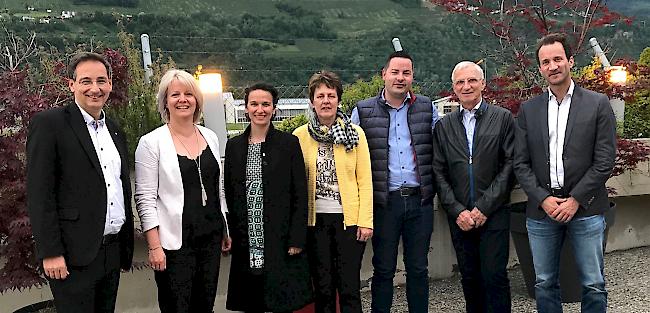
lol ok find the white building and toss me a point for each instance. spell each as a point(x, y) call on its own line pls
point(445, 106)
point(287, 108)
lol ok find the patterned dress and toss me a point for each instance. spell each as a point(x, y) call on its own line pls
point(255, 202)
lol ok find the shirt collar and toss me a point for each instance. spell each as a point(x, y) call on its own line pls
point(407, 99)
point(473, 110)
point(569, 93)
point(89, 120)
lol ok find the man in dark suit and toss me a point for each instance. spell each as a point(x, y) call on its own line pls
point(79, 194)
point(565, 148)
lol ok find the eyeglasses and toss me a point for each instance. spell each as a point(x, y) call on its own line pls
point(471, 81)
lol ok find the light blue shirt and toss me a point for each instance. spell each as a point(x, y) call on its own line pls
point(469, 121)
point(402, 167)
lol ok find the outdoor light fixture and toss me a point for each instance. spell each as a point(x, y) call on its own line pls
point(617, 75)
point(397, 46)
point(214, 112)
point(210, 83)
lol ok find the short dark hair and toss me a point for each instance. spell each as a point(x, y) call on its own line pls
point(550, 39)
point(397, 54)
point(261, 86)
point(327, 78)
point(87, 56)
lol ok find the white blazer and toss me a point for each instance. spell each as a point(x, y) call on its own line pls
point(159, 193)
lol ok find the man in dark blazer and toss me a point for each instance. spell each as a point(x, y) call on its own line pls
point(79, 193)
point(565, 148)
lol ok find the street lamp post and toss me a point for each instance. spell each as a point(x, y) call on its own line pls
point(617, 75)
point(214, 114)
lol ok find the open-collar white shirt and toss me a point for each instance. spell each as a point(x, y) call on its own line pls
point(111, 166)
point(558, 116)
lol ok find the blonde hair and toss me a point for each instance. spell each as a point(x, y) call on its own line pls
point(186, 79)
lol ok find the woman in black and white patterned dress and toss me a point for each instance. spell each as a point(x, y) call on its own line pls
point(266, 194)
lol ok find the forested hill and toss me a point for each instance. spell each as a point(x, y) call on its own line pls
point(278, 40)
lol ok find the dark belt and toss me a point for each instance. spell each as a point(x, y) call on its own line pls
point(559, 193)
point(407, 191)
point(110, 238)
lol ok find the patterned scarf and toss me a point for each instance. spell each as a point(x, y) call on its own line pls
point(341, 131)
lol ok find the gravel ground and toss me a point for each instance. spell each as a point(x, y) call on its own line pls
point(628, 283)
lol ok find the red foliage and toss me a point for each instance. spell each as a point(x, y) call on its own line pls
point(121, 78)
point(629, 154)
point(20, 99)
point(600, 81)
point(19, 106)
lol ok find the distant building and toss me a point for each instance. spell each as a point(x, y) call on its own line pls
point(287, 108)
point(68, 14)
point(445, 106)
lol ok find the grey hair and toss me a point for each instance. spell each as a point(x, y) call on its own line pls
point(466, 64)
point(186, 79)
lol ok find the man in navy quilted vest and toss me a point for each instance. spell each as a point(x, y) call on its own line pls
point(398, 125)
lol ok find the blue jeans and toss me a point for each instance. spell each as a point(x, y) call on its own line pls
point(546, 237)
point(402, 217)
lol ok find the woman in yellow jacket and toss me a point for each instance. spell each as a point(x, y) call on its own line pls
point(339, 184)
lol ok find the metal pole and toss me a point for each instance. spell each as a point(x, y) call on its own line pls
point(598, 51)
point(146, 57)
point(618, 105)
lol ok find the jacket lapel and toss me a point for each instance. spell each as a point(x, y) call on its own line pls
point(543, 112)
point(576, 98)
point(80, 129)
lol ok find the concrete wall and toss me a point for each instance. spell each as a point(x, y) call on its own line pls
point(631, 229)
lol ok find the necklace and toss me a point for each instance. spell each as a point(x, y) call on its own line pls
point(197, 161)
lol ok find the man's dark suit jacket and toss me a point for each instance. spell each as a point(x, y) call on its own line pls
point(589, 151)
point(66, 192)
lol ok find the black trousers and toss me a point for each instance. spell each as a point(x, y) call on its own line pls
point(189, 284)
point(335, 261)
point(91, 288)
point(482, 259)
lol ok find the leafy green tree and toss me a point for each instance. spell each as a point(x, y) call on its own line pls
point(290, 124)
point(358, 91)
point(637, 112)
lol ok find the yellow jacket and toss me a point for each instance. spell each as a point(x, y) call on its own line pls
point(353, 174)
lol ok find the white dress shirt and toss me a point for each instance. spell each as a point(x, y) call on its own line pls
point(111, 165)
point(558, 115)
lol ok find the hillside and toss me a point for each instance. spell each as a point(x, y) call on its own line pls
point(280, 41)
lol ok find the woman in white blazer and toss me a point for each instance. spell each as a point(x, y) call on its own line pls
point(180, 200)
